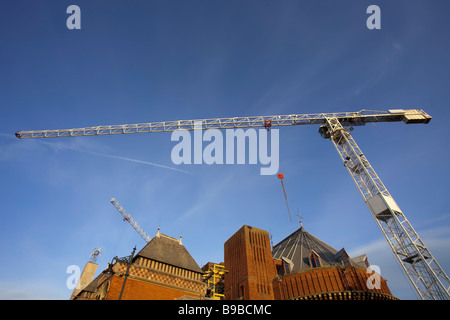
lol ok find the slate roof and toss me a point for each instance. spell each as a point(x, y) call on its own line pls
point(299, 245)
point(163, 248)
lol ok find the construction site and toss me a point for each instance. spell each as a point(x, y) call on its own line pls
point(300, 266)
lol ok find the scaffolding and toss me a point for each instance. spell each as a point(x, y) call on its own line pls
point(214, 277)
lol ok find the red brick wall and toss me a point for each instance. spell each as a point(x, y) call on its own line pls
point(157, 282)
point(248, 259)
point(140, 290)
point(322, 280)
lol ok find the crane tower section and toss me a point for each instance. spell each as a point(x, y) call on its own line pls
point(422, 269)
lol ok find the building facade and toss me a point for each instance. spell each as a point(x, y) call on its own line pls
point(162, 270)
point(300, 267)
point(248, 260)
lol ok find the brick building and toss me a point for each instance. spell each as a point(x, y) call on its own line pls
point(162, 270)
point(248, 260)
point(301, 266)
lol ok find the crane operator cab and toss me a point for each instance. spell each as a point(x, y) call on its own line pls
point(324, 132)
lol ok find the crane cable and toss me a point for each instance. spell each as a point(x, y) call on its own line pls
point(281, 177)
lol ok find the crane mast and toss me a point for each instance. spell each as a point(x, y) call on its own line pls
point(426, 275)
point(129, 218)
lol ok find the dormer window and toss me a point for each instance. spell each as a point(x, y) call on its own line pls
point(315, 260)
point(346, 260)
point(343, 257)
point(285, 267)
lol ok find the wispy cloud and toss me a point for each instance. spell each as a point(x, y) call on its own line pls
point(380, 254)
point(210, 195)
point(5, 135)
point(73, 147)
point(111, 156)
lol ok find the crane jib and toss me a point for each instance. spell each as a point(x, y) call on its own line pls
point(345, 118)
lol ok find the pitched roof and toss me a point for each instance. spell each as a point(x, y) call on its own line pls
point(169, 250)
point(91, 286)
point(360, 260)
point(299, 245)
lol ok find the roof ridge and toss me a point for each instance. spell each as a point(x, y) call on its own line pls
point(169, 250)
point(169, 237)
point(289, 236)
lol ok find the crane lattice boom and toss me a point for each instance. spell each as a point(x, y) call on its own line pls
point(129, 218)
point(346, 118)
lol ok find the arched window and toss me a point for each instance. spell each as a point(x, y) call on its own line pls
point(315, 260)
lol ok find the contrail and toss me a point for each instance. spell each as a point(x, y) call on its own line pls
point(5, 135)
point(131, 160)
point(111, 156)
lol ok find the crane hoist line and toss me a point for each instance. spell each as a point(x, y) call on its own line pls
point(281, 177)
point(424, 272)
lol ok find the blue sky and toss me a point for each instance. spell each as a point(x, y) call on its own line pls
point(172, 60)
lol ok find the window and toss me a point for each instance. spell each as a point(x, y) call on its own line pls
point(315, 260)
point(280, 270)
point(346, 260)
point(286, 267)
point(241, 292)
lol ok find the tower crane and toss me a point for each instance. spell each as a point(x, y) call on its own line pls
point(129, 218)
point(423, 270)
